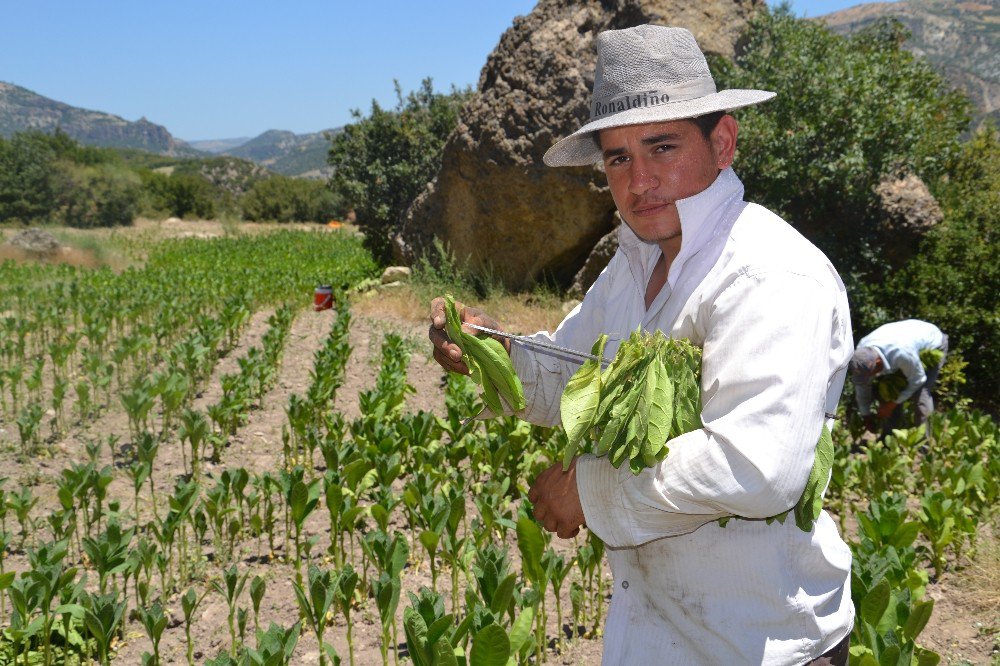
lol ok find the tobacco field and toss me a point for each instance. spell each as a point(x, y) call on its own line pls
point(146, 518)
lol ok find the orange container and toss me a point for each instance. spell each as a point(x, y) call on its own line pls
point(323, 298)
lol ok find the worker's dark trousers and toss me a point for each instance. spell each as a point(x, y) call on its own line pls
point(923, 401)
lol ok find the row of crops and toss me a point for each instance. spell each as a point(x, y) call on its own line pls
point(409, 524)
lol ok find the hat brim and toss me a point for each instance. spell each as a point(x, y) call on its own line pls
point(581, 147)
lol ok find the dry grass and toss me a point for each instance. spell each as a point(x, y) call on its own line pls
point(67, 255)
point(519, 313)
point(980, 582)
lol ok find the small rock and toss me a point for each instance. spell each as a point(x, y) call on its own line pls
point(396, 274)
point(391, 285)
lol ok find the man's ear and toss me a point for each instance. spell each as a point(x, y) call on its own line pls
point(723, 140)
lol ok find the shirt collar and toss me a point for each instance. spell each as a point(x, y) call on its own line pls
point(699, 215)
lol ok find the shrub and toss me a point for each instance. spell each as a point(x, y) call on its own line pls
point(52, 178)
point(383, 161)
point(98, 196)
point(179, 194)
point(954, 279)
point(284, 199)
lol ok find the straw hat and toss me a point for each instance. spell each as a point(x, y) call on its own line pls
point(647, 74)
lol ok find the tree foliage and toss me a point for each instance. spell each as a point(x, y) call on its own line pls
point(849, 111)
point(955, 278)
point(180, 194)
point(383, 160)
point(52, 178)
point(284, 199)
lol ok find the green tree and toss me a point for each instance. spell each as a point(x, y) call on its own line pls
point(954, 279)
point(849, 111)
point(179, 194)
point(284, 199)
point(383, 161)
point(52, 178)
point(98, 196)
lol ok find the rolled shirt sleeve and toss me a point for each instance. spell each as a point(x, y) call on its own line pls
point(908, 362)
point(765, 376)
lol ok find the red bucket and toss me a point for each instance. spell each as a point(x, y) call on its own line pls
point(323, 298)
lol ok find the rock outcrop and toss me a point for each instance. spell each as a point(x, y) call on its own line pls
point(907, 205)
point(35, 241)
point(493, 202)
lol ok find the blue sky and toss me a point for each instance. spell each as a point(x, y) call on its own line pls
point(213, 69)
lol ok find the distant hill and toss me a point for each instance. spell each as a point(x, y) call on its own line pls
point(961, 39)
point(22, 110)
point(288, 153)
point(217, 146)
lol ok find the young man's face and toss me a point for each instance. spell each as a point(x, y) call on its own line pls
point(650, 167)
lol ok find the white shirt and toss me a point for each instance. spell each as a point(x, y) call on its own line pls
point(899, 345)
point(771, 315)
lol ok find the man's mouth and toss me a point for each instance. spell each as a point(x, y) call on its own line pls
point(646, 209)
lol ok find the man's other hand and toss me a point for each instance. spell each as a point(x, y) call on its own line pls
point(446, 352)
point(557, 502)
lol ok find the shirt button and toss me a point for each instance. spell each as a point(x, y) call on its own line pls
point(624, 584)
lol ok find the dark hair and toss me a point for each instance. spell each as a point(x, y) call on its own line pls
point(708, 122)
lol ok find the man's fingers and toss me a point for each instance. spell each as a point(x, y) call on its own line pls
point(437, 313)
point(446, 362)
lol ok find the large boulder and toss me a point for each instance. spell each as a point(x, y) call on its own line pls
point(36, 242)
point(907, 205)
point(494, 203)
point(907, 211)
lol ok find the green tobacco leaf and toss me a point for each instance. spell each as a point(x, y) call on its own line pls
point(453, 322)
point(809, 506)
point(531, 543)
point(919, 615)
point(580, 399)
point(660, 402)
point(520, 631)
point(490, 647)
point(875, 602)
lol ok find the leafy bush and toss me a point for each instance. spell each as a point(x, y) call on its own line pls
point(954, 279)
point(98, 196)
point(849, 111)
point(179, 194)
point(52, 178)
point(383, 161)
point(283, 199)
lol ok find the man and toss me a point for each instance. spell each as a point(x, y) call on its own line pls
point(897, 347)
point(771, 315)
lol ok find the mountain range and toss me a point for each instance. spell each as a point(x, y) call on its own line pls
point(960, 39)
point(23, 110)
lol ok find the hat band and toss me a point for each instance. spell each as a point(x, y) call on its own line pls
point(650, 98)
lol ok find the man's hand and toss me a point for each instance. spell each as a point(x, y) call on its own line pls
point(557, 502)
point(885, 410)
point(446, 352)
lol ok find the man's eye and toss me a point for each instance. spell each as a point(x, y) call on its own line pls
point(621, 159)
point(663, 148)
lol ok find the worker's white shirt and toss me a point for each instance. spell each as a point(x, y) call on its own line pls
point(899, 344)
point(772, 317)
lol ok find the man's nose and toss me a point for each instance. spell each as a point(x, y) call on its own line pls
point(642, 179)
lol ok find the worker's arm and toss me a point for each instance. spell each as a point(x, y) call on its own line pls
point(908, 362)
